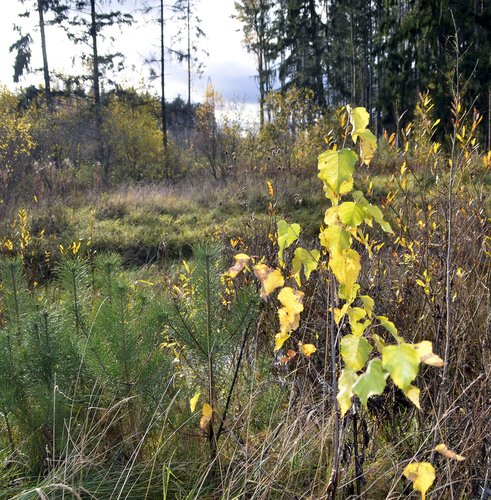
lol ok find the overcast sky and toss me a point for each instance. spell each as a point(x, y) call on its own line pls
point(229, 67)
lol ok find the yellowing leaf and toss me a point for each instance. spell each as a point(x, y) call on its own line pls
point(194, 401)
point(345, 389)
point(368, 304)
point(390, 327)
point(412, 393)
point(339, 313)
point(372, 382)
point(358, 329)
point(287, 235)
point(377, 214)
point(426, 354)
point(336, 171)
point(351, 213)
point(307, 349)
point(402, 362)
point(335, 239)
point(308, 259)
point(241, 261)
point(346, 267)
point(355, 314)
point(368, 145)
point(379, 342)
point(422, 475)
point(355, 351)
point(443, 450)
point(270, 279)
point(206, 414)
point(359, 119)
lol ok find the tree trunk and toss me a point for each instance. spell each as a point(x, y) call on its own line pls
point(162, 81)
point(188, 13)
point(47, 86)
point(95, 65)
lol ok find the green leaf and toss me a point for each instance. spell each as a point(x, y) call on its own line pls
point(402, 362)
point(377, 214)
point(355, 351)
point(287, 235)
point(351, 213)
point(336, 171)
point(335, 239)
point(372, 382)
point(308, 259)
point(345, 389)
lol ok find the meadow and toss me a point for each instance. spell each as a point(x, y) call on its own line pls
point(267, 323)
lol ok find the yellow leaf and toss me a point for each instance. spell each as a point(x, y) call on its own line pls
point(307, 349)
point(443, 450)
point(346, 381)
point(412, 393)
point(339, 313)
point(280, 339)
point(270, 188)
point(270, 279)
point(241, 261)
point(359, 119)
point(422, 475)
point(331, 216)
point(289, 314)
point(368, 146)
point(426, 354)
point(194, 401)
point(206, 412)
point(291, 299)
point(346, 267)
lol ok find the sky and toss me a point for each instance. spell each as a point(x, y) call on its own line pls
point(227, 66)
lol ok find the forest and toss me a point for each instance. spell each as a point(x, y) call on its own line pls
point(197, 305)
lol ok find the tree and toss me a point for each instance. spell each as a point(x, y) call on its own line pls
point(256, 18)
point(153, 75)
point(22, 46)
point(93, 24)
point(190, 31)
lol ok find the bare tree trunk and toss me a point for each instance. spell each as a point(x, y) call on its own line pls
point(188, 13)
point(162, 81)
point(97, 92)
point(47, 86)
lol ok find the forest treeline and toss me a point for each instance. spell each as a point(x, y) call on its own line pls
point(378, 54)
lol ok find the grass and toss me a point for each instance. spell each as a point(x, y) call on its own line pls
point(156, 223)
